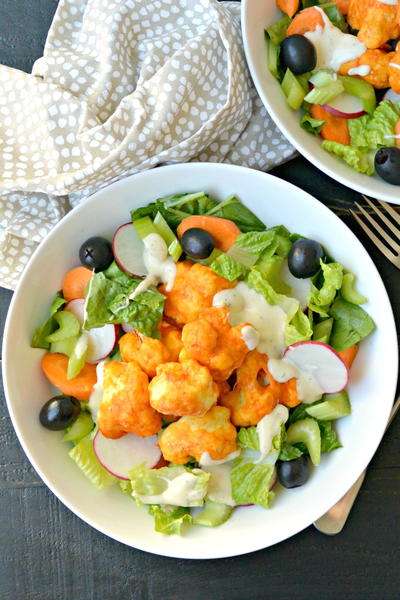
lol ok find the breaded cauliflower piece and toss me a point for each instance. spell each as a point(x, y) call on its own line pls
point(394, 72)
point(378, 61)
point(379, 24)
point(146, 351)
point(194, 288)
point(252, 396)
point(192, 436)
point(183, 388)
point(213, 342)
point(357, 11)
point(125, 407)
point(171, 337)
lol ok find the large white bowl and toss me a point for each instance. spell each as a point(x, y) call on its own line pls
point(113, 513)
point(256, 16)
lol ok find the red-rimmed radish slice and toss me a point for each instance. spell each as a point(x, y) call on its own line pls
point(77, 307)
point(119, 456)
point(101, 342)
point(128, 249)
point(392, 96)
point(322, 362)
point(126, 327)
point(346, 106)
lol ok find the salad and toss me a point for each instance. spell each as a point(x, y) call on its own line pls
point(339, 64)
point(201, 357)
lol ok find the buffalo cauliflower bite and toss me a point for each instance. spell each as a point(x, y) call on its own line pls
point(171, 337)
point(213, 342)
point(183, 388)
point(378, 61)
point(146, 351)
point(194, 288)
point(193, 436)
point(375, 20)
point(125, 407)
point(394, 71)
point(252, 396)
point(357, 11)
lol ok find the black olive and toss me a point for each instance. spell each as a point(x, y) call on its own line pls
point(197, 243)
point(96, 253)
point(293, 473)
point(304, 257)
point(393, 44)
point(59, 412)
point(387, 164)
point(298, 54)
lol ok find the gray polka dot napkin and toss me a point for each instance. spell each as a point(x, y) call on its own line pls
point(123, 85)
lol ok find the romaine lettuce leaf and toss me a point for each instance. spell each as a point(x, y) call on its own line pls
point(351, 324)
point(271, 269)
point(49, 326)
point(370, 132)
point(85, 457)
point(277, 31)
point(265, 244)
point(233, 209)
point(321, 298)
point(308, 123)
point(353, 156)
point(227, 267)
point(250, 482)
point(170, 520)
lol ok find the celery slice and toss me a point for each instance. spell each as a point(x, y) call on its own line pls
point(175, 250)
point(306, 431)
point(64, 346)
point(213, 514)
point(322, 331)
point(144, 227)
point(79, 429)
point(164, 229)
point(78, 357)
point(349, 292)
point(334, 406)
point(273, 58)
point(293, 90)
point(324, 94)
point(68, 326)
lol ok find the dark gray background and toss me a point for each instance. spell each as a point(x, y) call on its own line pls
point(47, 553)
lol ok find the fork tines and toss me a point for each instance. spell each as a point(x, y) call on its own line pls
point(392, 247)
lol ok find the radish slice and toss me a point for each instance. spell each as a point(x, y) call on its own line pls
point(77, 307)
point(119, 456)
point(101, 342)
point(322, 362)
point(346, 106)
point(126, 327)
point(128, 250)
point(392, 96)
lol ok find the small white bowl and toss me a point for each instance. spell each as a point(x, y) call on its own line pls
point(256, 16)
point(115, 514)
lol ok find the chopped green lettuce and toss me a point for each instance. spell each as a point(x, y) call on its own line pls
point(370, 132)
point(271, 269)
point(277, 31)
point(351, 324)
point(227, 267)
point(308, 123)
point(321, 298)
point(39, 337)
point(354, 157)
point(233, 209)
point(85, 457)
point(170, 520)
point(265, 244)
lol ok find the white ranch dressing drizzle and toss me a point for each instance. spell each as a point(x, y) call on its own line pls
point(250, 336)
point(392, 137)
point(180, 492)
point(362, 70)
point(207, 461)
point(388, 2)
point(308, 388)
point(97, 393)
point(248, 306)
point(160, 266)
point(219, 485)
point(269, 427)
point(81, 345)
point(333, 47)
point(394, 65)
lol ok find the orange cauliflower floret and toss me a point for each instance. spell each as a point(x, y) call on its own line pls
point(252, 396)
point(183, 388)
point(125, 407)
point(194, 288)
point(378, 61)
point(192, 436)
point(171, 337)
point(394, 72)
point(146, 351)
point(214, 342)
point(377, 23)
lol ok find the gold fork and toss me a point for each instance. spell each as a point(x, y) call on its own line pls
point(392, 252)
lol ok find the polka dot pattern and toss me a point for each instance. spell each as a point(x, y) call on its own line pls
point(123, 86)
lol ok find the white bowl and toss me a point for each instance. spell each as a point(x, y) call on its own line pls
point(113, 513)
point(256, 16)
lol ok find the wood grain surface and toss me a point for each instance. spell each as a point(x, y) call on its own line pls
point(47, 553)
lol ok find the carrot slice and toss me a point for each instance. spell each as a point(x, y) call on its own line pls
point(55, 368)
point(75, 282)
point(306, 20)
point(290, 7)
point(397, 132)
point(348, 355)
point(335, 129)
point(223, 231)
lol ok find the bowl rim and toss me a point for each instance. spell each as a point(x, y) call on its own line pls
point(74, 507)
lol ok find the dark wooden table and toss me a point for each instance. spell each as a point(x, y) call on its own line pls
point(47, 553)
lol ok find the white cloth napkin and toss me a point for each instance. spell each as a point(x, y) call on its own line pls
point(123, 86)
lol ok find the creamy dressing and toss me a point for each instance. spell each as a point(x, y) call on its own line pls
point(394, 65)
point(97, 393)
point(248, 306)
point(333, 47)
point(207, 461)
point(392, 137)
point(308, 388)
point(250, 336)
point(180, 492)
point(269, 427)
point(160, 266)
point(81, 345)
point(362, 70)
point(388, 2)
point(219, 485)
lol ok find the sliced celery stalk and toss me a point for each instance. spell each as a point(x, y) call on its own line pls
point(68, 326)
point(306, 431)
point(213, 514)
point(78, 357)
point(334, 406)
point(349, 292)
point(277, 31)
point(273, 58)
point(360, 88)
point(293, 90)
point(164, 229)
point(64, 346)
point(323, 95)
point(322, 78)
point(144, 227)
point(175, 250)
point(322, 331)
point(79, 429)
point(210, 259)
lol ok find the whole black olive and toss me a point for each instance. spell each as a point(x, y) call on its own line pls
point(298, 54)
point(304, 257)
point(59, 412)
point(96, 253)
point(293, 473)
point(197, 243)
point(387, 164)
